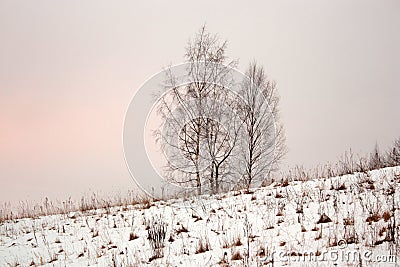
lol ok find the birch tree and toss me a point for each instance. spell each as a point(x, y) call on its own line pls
point(208, 67)
point(263, 145)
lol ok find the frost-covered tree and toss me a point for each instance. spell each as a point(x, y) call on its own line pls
point(263, 144)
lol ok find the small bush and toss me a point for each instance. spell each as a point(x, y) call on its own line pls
point(132, 236)
point(236, 256)
point(156, 233)
point(342, 187)
point(373, 218)
point(182, 229)
point(386, 216)
point(237, 242)
point(324, 219)
point(204, 245)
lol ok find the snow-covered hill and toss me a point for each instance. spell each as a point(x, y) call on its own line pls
point(353, 220)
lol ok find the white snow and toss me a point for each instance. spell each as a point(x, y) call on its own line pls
point(272, 226)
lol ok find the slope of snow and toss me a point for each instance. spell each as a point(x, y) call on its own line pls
point(344, 220)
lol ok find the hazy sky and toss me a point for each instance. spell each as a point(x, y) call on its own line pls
point(68, 70)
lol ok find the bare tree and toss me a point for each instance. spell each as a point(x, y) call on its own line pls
point(264, 141)
point(376, 160)
point(221, 135)
point(393, 155)
point(206, 53)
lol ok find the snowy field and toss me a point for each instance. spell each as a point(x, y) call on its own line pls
point(353, 220)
